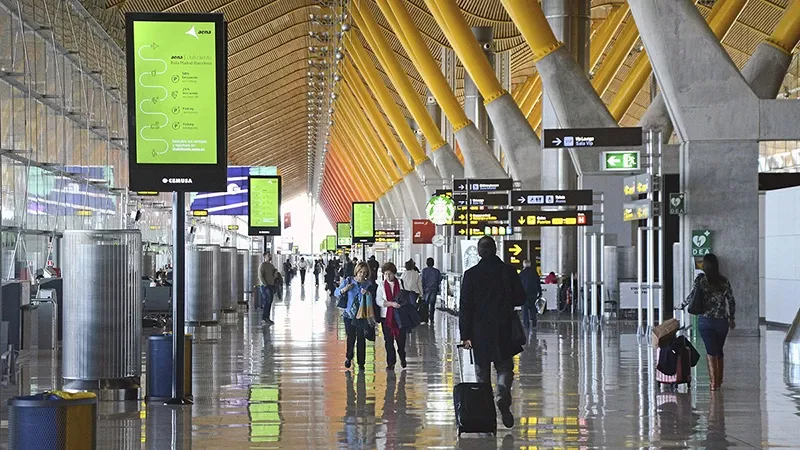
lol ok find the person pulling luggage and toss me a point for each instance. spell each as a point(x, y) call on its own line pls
point(489, 293)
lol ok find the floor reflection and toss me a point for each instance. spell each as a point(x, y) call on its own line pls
point(577, 386)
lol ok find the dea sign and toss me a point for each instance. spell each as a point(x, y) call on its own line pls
point(701, 242)
point(440, 209)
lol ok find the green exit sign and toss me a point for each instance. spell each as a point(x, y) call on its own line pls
point(622, 161)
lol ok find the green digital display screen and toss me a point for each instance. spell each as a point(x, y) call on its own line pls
point(264, 198)
point(343, 237)
point(363, 222)
point(176, 92)
point(330, 243)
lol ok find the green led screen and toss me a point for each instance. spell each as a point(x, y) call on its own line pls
point(363, 222)
point(264, 198)
point(343, 238)
point(330, 243)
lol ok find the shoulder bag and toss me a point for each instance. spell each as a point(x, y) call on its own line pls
point(697, 300)
point(342, 301)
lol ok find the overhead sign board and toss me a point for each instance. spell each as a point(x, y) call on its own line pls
point(619, 161)
point(233, 227)
point(200, 213)
point(363, 215)
point(515, 252)
point(551, 218)
point(264, 199)
point(638, 185)
point(423, 231)
point(343, 238)
point(387, 236)
point(481, 199)
point(592, 137)
point(177, 100)
point(481, 217)
point(482, 230)
point(482, 184)
point(552, 198)
point(637, 210)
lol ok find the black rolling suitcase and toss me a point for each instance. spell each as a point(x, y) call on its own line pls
point(474, 403)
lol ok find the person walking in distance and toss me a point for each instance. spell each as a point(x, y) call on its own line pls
point(533, 290)
point(374, 267)
point(718, 315)
point(489, 293)
point(266, 276)
point(431, 283)
point(318, 268)
point(303, 266)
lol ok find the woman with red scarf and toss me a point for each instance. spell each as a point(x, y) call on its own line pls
point(388, 291)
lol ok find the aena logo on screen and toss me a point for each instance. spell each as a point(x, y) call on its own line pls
point(177, 180)
point(192, 32)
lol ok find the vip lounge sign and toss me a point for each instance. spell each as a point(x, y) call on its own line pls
point(701, 242)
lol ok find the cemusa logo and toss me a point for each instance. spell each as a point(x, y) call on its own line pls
point(177, 180)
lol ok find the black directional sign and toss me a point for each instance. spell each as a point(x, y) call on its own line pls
point(483, 230)
point(447, 192)
point(552, 198)
point(486, 215)
point(592, 137)
point(481, 199)
point(482, 184)
point(551, 218)
point(387, 236)
point(515, 252)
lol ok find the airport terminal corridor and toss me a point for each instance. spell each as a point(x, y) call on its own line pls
point(285, 386)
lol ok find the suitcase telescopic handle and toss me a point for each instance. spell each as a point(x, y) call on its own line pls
point(471, 360)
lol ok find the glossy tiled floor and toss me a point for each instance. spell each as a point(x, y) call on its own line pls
point(285, 387)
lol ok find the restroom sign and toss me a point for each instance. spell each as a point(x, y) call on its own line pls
point(701, 242)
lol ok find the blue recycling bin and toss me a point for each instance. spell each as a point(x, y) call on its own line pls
point(53, 421)
point(159, 367)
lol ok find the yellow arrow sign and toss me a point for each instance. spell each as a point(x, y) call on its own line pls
point(462, 231)
point(521, 220)
point(515, 250)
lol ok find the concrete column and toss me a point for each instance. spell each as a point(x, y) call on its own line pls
point(446, 161)
point(473, 100)
point(569, 21)
point(717, 120)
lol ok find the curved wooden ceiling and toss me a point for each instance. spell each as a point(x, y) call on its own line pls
point(268, 53)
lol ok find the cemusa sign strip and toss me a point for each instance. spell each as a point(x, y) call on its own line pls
point(264, 201)
point(363, 219)
point(177, 101)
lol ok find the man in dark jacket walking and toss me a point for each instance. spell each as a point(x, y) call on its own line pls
point(533, 290)
point(489, 293)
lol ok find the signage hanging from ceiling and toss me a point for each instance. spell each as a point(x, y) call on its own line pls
point(423, 231)
point(343, 238)
point(552, 198)
point(177, 101)
point(482, 184)
point(387, 236)
point(592, 137)
point(363, 215)
point(264, 199)
point(551, 218)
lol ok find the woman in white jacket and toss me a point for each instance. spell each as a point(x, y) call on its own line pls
point(386, 297)
point(412, 281)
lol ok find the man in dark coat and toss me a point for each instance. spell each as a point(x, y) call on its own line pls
point(533, 290)
point(489, 293)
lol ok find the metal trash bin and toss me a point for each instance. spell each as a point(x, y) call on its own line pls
point(228, 262)
point(240, 275)
point(200, 285)
point(53, 420)
point(102, 312)
point(159, 367)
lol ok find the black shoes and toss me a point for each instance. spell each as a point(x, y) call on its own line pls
point(267, 322)
point(347, 363)
point(508, 418)
point(403, 363)
point(390, 368)
point(361, 367)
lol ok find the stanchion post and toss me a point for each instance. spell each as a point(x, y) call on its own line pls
point(178, 297)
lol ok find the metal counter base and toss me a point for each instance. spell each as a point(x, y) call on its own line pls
point(114, 390)
point(227, 317)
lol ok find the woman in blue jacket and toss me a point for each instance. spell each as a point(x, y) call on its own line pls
point(355, 288)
